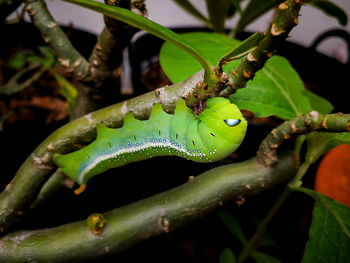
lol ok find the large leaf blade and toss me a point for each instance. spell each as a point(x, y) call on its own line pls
point(178, 65)
point(329, 235)
point(277, 90)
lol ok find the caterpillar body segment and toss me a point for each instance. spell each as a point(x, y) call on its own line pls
point(211, 136)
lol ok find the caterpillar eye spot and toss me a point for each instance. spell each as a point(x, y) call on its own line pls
point(232, 122)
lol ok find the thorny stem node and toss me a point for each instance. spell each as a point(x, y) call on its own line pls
point(282, 24)
point(313, 121)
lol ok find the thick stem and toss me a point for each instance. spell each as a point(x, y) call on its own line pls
point(97, 85)
point(22, 191)
point(314, 121)
point(53, 35)
point(162, 213)
point(107, 53)
point(105, 58)
point(285, 20)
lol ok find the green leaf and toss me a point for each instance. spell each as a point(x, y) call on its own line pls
point(331, 9)
point(18, 61)
point(318, 103)
point(227, 256)
point(277, 90)
point(234, 226)
point(254, 9)
point(329, 234)
point(178, 65)
point(218, 11)
point(32, 58)
point(67, 89)
point(318, 143)
point(243, 48)
point(189, 8)
point(149, 26)
point(261, 257)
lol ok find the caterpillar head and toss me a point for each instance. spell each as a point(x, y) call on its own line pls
point(225, 121)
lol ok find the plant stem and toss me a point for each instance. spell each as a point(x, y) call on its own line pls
point(53, 35)
point(296, 181)
point(107, 53)
point(14, 86)
point(250, 247)
point(142, 23)
point(104, 62)
point(292, 186)
point(105, 58)
point(149, 217)
point(284, 21)
point(33, 173)
point(312, 121)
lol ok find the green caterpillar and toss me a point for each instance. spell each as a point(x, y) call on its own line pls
point(211, 136)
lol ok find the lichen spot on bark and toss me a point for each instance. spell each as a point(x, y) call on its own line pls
point(96, 223)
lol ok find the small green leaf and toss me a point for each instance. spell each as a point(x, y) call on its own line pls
point(151, 27)
point(261, 257)
point(277, 90)
point(318, 143)
point(234, 226)
point(189, 8)
point(243, 48)
point(34, 59)
point(331, 9)
point(329, 234)
point(178, 65)
point(18, 61)
point(67, 89)
point(227, 256)
point(254, 10)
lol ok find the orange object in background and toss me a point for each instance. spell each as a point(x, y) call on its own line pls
point(333, 174)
